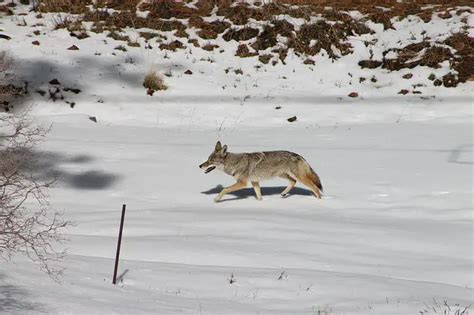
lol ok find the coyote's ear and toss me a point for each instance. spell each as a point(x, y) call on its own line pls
point(224, 149)
point(218, 146)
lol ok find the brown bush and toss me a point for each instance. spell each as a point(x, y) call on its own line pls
point(243, 51)
point(173, 46)
point(243, 34)
point(153, 82)
point(69, 6)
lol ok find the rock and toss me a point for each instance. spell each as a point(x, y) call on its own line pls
point(403, 92)
point(36, 43)
point(93, 118)
point(73, 90)
point(292, 119)
point(407, 76)
point(73, 47)
point(449, 80)
point(370, 64)
point(353, 94)
point(54, 82)
point(189, 72)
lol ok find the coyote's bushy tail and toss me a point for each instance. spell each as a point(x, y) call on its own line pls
point(316, 179)
point(306, 173)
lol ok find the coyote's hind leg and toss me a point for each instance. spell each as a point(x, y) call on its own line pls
point(290, 186)
point(309, 183)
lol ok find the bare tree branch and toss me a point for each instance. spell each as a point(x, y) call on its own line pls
point(28, 225)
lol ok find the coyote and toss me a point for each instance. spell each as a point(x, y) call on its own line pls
point(258, 166)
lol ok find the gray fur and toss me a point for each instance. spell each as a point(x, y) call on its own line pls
point(258, 166)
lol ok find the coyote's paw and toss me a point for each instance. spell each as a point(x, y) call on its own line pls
point(217, 199)
point(283, 195)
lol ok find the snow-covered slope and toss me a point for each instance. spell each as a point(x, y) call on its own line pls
point(225, 90)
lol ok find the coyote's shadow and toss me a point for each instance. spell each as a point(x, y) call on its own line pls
point(266, 191)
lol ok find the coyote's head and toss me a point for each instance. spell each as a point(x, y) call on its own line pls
point(216, 159)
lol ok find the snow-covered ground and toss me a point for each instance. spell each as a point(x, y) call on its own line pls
point(391, 235)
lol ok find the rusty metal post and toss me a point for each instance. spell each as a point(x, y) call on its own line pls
point(119, 243)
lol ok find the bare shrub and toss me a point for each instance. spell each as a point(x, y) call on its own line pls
point(27, 223)
point(6, 63)
point(153, 82)
point(69, 6)
point(8, 91)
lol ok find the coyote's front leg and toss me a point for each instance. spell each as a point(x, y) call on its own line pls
point(239, 185)
point(258, 193)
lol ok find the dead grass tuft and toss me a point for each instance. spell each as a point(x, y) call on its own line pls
point(243, 51)
point(173, 46)
point(311, 38)
point(8, 91)
point(265, 58)
point(463, 61)
point(243, 34)
point(67, 6)
point(416, 54)
point(167, 9)
point(210, 47)
point(153, 82)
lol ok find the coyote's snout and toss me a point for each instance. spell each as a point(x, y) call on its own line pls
point(258, 166)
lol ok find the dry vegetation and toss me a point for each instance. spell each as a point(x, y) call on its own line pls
point(153, 82)
point(27, 223)
point(431, 55)
point(9, 92)
point(235, 24)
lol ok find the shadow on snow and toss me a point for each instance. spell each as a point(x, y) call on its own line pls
point(266, 191)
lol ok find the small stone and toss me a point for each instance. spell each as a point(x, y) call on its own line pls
point(73, 90)
point(449, 80)
point(432, 77)
point(73, 47)
point(189, 72)
point(54, 82)
point(353, 94)
point(292, 119)
point(403, 92)
point(93, 118)
point(36, 43)
point(408, 76)
point(437, 82)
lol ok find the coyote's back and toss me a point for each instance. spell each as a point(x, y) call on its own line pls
point(271, 164)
